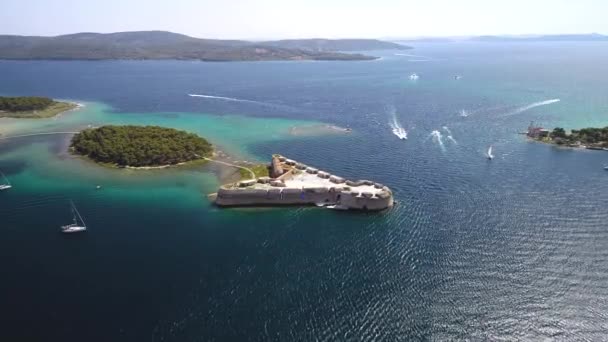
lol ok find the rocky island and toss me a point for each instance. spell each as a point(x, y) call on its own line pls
point(589, 138)
point(32, 107)
point(140, 146)
point(292, 183)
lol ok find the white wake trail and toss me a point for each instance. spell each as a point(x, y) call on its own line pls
point(398, 130)
point(533, 105)
point(450, 137)
point(225, 98)
point(437, 137)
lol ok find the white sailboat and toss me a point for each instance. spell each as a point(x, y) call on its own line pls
point(75, 227)
point(490, 155)
point(414, 77)
point(6, 185)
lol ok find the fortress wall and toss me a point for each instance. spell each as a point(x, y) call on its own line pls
point(349, 197)
point(352, 200)
point(288, 196)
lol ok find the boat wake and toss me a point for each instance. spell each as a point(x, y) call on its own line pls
point(232, 99)
point(437, 138)
point(533, 105)
point(415, 58)
point(259, 103)
point(449, 136)
point(398, 130)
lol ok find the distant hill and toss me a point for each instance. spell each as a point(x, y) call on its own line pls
point(499, 39)
point(543, 38)
point(336, 44)
point(168, 45)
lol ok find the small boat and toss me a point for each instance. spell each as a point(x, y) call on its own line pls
point(98, 187)
point(414, 77)
point(464, 113)
point(606, 167)
point(457, 77)
point(6, 185)
point(76, 226)
point(400, 133)
point(490, 155)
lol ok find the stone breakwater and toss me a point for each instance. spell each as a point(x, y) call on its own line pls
point(295, 183)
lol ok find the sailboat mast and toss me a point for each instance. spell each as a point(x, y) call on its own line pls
point(76, 210)
point(6, 179)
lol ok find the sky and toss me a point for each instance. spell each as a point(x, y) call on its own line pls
point(272, 19)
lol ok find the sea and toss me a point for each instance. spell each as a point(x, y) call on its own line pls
point(515, 248)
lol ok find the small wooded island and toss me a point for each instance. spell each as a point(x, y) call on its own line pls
point(140, 146)
point(590, 138)
point(32, 107)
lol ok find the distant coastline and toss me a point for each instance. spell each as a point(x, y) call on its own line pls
point(161, 45)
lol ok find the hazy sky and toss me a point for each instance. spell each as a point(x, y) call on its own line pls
point(305, 18)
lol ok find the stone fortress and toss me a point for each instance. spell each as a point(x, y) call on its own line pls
point(293, 183)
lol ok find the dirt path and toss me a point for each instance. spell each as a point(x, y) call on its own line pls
point(233, 165)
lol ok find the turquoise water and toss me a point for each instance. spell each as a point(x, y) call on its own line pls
point(510, 249)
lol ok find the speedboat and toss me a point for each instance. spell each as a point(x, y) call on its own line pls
point(400, 133)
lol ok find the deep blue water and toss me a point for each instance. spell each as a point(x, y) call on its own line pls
point(513, 249)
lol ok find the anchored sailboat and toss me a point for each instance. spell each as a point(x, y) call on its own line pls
point(6, 185)
point(490, 155)
point(76, 226)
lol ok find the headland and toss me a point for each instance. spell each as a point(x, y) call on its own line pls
point(292, 183)
point(32, 107)
point(589, 138)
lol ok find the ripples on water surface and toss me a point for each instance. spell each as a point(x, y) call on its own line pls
point(512, 249)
